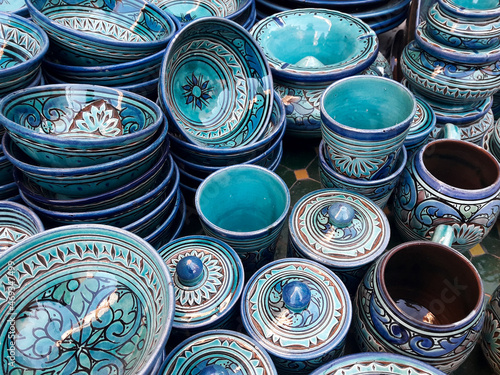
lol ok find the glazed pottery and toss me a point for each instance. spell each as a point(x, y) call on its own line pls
point(95, 297)
point(421, 299)
point(365, 120)
point(341, 230)
point(490, 341)
point(16, 7)
point(218, 352)
point(421, 128)
point(244, 206)
point(17, 223)
point(72, 125)
point(102, 32)
point(299, 311)
point(215, 84)
point(478, 10)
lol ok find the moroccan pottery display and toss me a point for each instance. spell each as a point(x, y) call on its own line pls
point(421, 127)
point(208, 281)
point(218, 352)
point(491, 332)
point(94, 297)
point(299, 311)
point(365, 120)
point(244, 206)
point(17, 223)
point(215, 84)
point(423, 300)
point(102, 32)
point(341, 230)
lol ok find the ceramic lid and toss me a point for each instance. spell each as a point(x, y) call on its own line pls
point(296, 309)
point(218, 352)
point(423, 123)
point(208, 279)
point(337, 228)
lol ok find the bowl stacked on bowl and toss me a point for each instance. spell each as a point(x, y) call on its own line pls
point(92, 154)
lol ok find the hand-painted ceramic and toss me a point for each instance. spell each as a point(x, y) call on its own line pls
point(22, 48)
point(15, 6)
point(299, 311)
point(8, 191)
point(17, 223)
point(208, 281)
point(377, 190)
point(490, 340)
point(484, 9)
point(218, 352)
point(94, 297)
point(423, 300)
point(365, 120)
point(244, 206)
point(102, 32)
point(341, 230)
point(421, 127)
point(375, 364)
point(216, 85)
point(79, 125)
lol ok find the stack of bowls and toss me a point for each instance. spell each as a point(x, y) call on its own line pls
point(106, 43)
point(216, 89)
point(91, 154)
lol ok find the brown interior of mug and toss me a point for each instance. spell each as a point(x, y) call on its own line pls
point(432, 283)
point(460, 164)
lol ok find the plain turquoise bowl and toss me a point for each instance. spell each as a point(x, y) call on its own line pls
point(17, 223)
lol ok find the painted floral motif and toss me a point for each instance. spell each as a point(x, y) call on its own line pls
point(98, 118)
point(197, 91)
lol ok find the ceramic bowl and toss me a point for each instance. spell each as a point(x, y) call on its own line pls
point(491, 330)
point(84, 33)
point(17, 223)
point(23, 46)
point(16, 7)
point(85, 292)
point(86, 181)
point(378, 190)
point(210, 105)
point(485, 9)
point(79, 125)
point(421, 128)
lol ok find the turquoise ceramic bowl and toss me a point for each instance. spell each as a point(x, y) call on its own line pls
point(484, 9)
point(86, 181)
point(102, 33)
point(23, 45)
point(17, 223)
point(84, 292)
point(71, 125)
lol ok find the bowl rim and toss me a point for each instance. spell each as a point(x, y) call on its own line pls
point(178, 214)
point(452, 7)
point(26, 211)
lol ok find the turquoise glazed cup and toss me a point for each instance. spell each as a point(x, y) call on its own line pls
point(365, 120)
point(244, 206)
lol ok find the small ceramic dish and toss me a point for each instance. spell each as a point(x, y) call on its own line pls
point(216, 85)
point(102, 33)
point(484, 9)
point(80, 289)
point(17, 223)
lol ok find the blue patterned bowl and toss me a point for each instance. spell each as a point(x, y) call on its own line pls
point(94, 297)
point(103, 32)
point(491, 329)
point(86, 181)
point(216, 85)
point(17, 223)
point(23, 46)
point(484, 9)
point(79, 125)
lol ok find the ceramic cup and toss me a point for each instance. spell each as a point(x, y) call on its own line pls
point(365, 120)
point(244, 206)
point(421, 299)
point(490, 340)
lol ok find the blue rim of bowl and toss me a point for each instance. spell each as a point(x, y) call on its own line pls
point(35, 30)
point(178, 208)
point(450, 6)
point(29, 213)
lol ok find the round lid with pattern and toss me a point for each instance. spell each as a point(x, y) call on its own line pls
point(338, 229)
point(296, 309)
point(423, 123)
point(218, 352)
point(208, 279)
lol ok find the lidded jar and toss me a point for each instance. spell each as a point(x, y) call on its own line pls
point(342, 230)
point(299, 311)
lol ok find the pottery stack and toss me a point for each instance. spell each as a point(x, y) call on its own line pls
point(453, 64)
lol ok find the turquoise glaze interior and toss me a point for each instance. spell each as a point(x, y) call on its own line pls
point(243, 200)
point(189, 10)
point(368, 104)
point(476, 4)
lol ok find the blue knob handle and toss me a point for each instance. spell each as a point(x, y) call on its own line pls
point(214, 370)
point(341, 214)
point(189, 270)
point(296, 296)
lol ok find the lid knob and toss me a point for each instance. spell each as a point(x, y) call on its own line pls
point(189, 270)
point(214, 370)
point(296, 296)
point(341, 214)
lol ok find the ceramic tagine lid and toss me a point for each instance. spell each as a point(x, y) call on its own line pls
point(338, 229)
point(208, 280)
point(297, 309)
point(218, 352)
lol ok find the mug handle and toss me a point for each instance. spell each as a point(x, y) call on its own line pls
point(449, 131)
point(444, 235)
